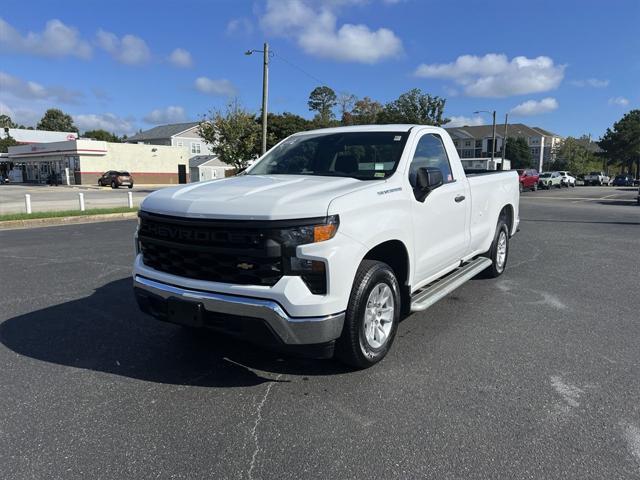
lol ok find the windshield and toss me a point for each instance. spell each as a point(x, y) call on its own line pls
point(545, 175)
point(361, 155)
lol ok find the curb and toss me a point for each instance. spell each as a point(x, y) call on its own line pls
point(53, 221)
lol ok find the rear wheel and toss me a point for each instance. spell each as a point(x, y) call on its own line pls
point(535, 187)
point(113, 184)
point(499, 252)
point(131, 186)
point(372, 316)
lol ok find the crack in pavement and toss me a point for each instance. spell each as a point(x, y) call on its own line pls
point(254, 430)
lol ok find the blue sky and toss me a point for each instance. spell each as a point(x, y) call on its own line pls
point(572, 67)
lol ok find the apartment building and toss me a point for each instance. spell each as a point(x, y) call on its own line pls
point(475, 141)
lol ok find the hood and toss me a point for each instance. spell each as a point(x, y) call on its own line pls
point(253, 197)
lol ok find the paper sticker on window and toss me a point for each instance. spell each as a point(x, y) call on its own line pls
point(379, 166)
point(379, 174)
point(397, 138)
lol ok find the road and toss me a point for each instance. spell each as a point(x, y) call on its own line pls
point(532, 375)
point(46, 198)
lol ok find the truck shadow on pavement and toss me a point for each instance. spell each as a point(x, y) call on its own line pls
point(106, 332)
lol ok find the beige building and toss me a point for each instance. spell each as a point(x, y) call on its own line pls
point(83, 161)
point(475, 141)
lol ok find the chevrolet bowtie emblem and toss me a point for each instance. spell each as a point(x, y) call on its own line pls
point(245, 266)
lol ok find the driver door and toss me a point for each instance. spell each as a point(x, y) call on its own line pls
point(440, 221)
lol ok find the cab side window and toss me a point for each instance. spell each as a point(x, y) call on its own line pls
point(430, 152)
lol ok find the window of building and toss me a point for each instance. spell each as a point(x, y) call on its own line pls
point(195, 148)
point(478, 143)
point(430, 152)
point(467, 143)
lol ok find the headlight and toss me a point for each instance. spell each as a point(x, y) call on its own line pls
point(312, 272)
point(294, 236)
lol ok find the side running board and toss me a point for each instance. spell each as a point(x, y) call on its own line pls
point(423, 299)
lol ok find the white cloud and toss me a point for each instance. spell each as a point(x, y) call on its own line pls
point(104, 121)
point(171, 114)
point(494, 75)
point(215, 87)
point(620, 101)
point(29, 90)
point(535, 107)
point(181, 58)
point(462, 121)
point(129, 49)
point(56, 40)
point(239, 26)
point(590, 82)
point(21, 116)
point(317, 33)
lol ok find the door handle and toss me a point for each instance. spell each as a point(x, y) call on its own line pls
point(460, 198)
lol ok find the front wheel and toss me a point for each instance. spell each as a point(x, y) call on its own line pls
point(499, 251)
point(131, 186)
point(113, 184)
point(521, 187)
point(535, 187)
point(372, 316)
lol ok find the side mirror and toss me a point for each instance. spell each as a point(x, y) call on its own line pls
point(427, 179)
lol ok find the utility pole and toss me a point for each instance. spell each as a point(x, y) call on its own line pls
point(265, 93)
point(493, 141)
point(504, 141)
point(265, 90)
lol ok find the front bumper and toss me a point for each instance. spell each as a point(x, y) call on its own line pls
point(258, 320)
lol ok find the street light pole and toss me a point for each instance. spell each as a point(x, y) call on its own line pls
point(265, 94)
point(265, 90)
point(504, 140)
point(493, 142)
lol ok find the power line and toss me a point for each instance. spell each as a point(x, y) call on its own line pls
point(291, 64)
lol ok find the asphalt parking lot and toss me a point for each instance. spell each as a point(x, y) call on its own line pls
point(47, 198)
point(532, 375)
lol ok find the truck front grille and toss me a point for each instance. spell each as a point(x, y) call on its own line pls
point(235, 252)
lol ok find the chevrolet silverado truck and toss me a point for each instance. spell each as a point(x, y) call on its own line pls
point(326, 241)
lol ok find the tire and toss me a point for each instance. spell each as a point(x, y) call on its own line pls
point(113, 184)
point(499, 251)
point(357, 347)
point(131, 186)
point(573, 185)
point(521, 187)
point(535, 187)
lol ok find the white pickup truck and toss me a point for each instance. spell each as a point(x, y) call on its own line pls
point(326, 240)
point(597, 178)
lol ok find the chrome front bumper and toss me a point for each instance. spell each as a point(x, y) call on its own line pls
point(290, 330)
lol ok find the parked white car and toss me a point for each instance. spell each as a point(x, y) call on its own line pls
point(567, 179)
point(325, 240)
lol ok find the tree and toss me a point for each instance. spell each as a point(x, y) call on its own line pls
point(365, 112)
point(346, 102)
point(280, 126)
point(577, 155)
point(234, 135)
point(103, 135)
point(6, 122)
point(621, 144)
point(414, 106)
point(7, 142)
point(57, 121)
point(322, 100)
point(517, 150)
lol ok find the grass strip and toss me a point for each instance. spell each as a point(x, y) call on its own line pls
point(65, 213)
